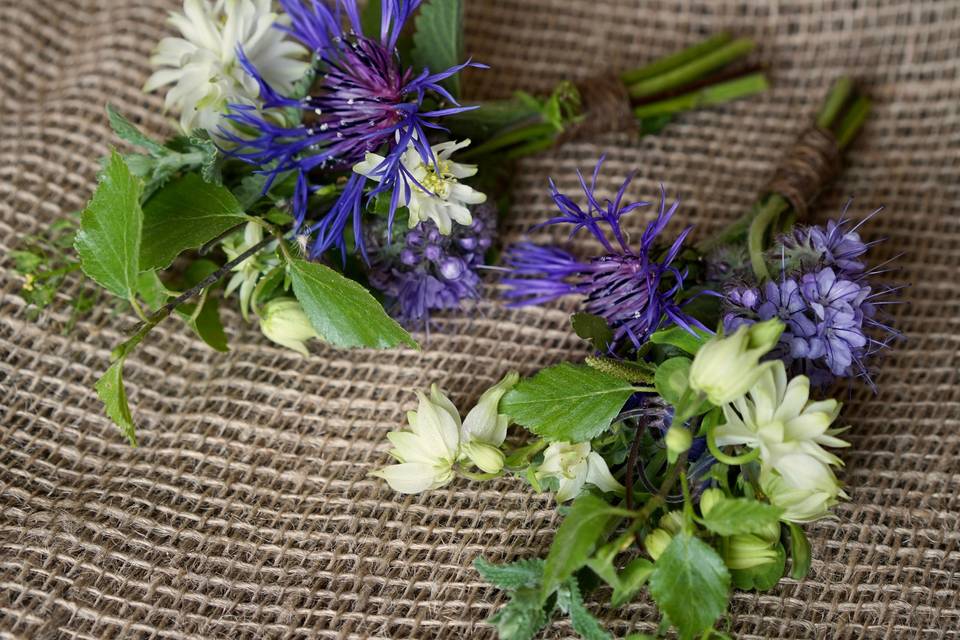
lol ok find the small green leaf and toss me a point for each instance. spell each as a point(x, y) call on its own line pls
point(128, 131)
point(631, 579)
point(204, 320)
point(575, 540)
point(113, 394)
point(522, 617)
point(108, 241)
point(690, 584)
point(762, 577)
point(593, 329)
point(681, 338)
point(152, 290)
point(342, 311)
point(438, 40)
point(799, 552)
point(522, 573)
point(567, 402)
point(584, 623)
point(185, 215)
point(731, 516)
point(671, 379)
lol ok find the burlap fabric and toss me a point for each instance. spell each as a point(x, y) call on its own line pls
point(247, 513)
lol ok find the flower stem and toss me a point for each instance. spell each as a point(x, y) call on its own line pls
point(692, 70)
point(728, 91)
point(526, 133)
point(675, 60)
point(853, 121)
point(756, 236)
point(835, 100)
point(715, 451)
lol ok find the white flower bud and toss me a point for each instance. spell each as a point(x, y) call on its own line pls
point(746, 551)
point(678, 440)
point(484, 423)
point(725, 368)
point(486, 456)
point(284, 322)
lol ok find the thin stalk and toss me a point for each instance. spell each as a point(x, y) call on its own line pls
point(836, 98)
point(716, 94)
point(691, 70)
point(522, 134)
point(852, 121)
point(774, 206)
point(675, 60)
point(715, 451)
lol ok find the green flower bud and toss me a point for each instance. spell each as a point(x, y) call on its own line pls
point(725, 368)
point(672, 522)
point(746, 551)
point(709, 499)
point(486, 456)
point(284, 322)
point(678, 440)
point(657, 542)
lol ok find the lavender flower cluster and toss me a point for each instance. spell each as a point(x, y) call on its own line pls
point(825, 298)
point(428, 271)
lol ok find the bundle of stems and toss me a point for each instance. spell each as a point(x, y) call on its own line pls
point(711, 72)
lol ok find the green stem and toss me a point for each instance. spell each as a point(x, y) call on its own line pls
point(470, 475)
point(132, 299)
point(515, 136)
point(756, 244)
point(534, 146)
point(690, 71)
point(715, 451)
point(675, 60)
point(728, 91)
point(834, 102)
point(852, 121)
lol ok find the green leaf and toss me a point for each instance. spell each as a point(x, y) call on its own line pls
point(593, 329)
point(128, 131)
point(108, 241)
point(522, 617)
point(584, 623)
point(567, 402)
point(671, 378)
point(681, 338)
point(626, 370)
point(152, 290)
point(576, 539)
point(113, 394)
point(370, 18)
point(438, 41)
point(763, 577)
point(799, 552)
point(342, 311)
point(522, 573)
point(731, 516)
point(203, 317)
point(186, 214)
point(631, 580)
point(690, 584)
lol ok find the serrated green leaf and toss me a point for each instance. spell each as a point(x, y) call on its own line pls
point(576, 539)
point(342, 311)
point(690, 584)
point(671, 378)
point(108, 241)
point(799, 552)
point(731, 516)
point(631, 580)
point(593, 329)
point(567, 402)
point(584, 623)
point(522, 573)
point(128, 131)
point(681, 338)
point(438, 40)
point(522, 617)
point(114, 395)
point(186, 214)
point(763, 577)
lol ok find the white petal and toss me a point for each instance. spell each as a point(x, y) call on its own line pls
point(599, 475)
point(411, 477)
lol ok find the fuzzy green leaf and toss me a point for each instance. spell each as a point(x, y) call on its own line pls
point(584, 623)
point(799, 552)
point(690, 584)
point(631, 580)
point(438, 41)
point(593, 329)
point(681, 338)
point(522, 573)
point(522, 617)
point(108, 241)
point(113, 394)
point(342, 311)
point(567, 402)
point(184, 215)
point(128, 131)
point(731, 516)
point(575, 540)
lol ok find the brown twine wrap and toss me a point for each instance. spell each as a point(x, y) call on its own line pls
point(812, 162)
point(605, 107)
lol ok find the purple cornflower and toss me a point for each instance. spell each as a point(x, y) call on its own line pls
point(429, 271)
point(626, 286)
point(826, 301)
point(362, 100)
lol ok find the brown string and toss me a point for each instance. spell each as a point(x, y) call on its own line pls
point(605, 107)
point(812, 162)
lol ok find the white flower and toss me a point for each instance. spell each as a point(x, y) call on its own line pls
point(575, 465)
point(484, 429)
point(427, 452)
point(283, 321)
point(248, 273)
point(790, 431)
point(203, 67)
point(435, 192)
point(725, 368)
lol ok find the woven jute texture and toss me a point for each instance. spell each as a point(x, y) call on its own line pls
point(247, 512)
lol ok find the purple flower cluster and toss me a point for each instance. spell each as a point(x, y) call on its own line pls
point(626, 286)
point(825, 299)
point(429, 271)
point(362, 100)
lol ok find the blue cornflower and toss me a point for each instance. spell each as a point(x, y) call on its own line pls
point(634, 292)
point(826, 301)
point(429, 271)
point(362, 100)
